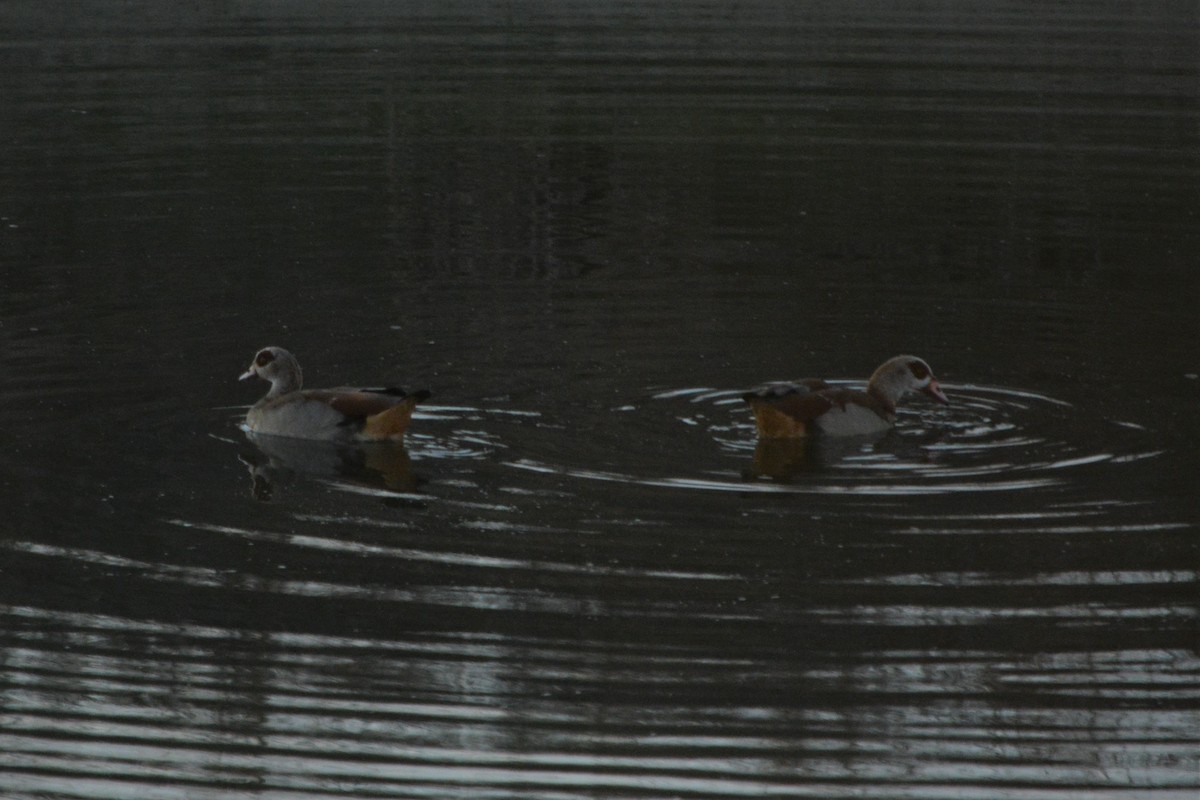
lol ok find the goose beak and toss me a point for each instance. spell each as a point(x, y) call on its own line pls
point(935, 391)
point(247, 374)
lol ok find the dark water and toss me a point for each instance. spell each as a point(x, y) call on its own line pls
point(587, 227)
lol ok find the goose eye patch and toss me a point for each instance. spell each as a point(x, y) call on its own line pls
point(264, 357)
point(919, 370)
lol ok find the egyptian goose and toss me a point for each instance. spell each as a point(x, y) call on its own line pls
point(330, 414)
point(796, 410)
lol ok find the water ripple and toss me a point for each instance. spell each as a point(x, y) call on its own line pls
point(991, 439)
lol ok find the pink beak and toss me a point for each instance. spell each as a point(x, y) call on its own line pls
point(935, 391)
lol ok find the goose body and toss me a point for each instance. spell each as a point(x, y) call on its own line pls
point(341, 414)
point(808, 407)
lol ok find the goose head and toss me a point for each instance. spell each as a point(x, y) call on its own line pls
point(897, 376)
point(278, 367)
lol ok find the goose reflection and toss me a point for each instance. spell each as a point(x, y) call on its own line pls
point(786, 459)
point(276, 460)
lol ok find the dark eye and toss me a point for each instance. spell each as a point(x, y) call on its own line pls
point(919, 370)
point(264, 357)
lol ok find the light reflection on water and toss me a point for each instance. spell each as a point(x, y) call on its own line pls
point(393, 721)
point(855, 662)
point(613, 642)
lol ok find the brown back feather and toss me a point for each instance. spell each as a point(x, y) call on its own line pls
point(352, 403)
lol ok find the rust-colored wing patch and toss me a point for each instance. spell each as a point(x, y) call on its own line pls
point(392, 423)
point(784, 411)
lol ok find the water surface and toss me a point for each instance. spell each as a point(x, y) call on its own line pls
point(588, 229)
